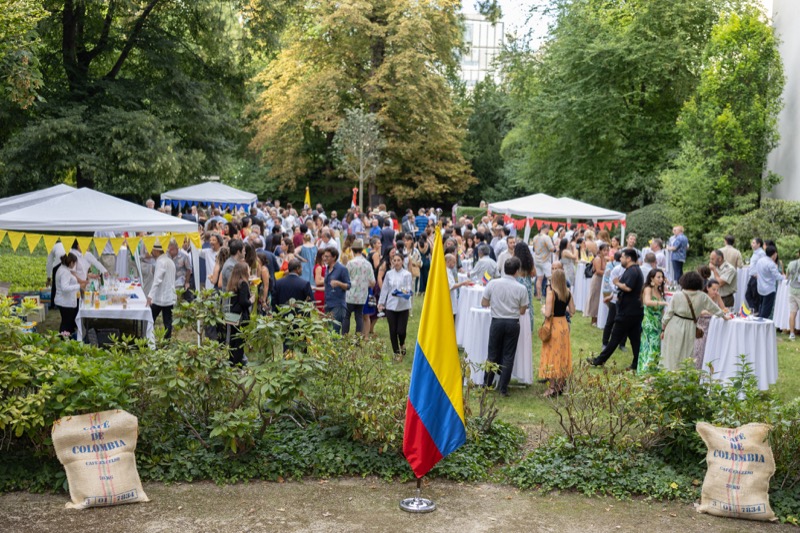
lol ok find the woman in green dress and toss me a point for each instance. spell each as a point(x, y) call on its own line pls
point(654, 302)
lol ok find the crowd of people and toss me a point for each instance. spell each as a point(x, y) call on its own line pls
point(367, 266)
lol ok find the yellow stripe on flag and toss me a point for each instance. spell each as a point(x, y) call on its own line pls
point(15, 237)
point(437, 335)
point(50, 241)
point(84, 243)
point(33, 240)
point(116, 244)
point(149, 242)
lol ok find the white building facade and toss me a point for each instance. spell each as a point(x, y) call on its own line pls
point(784, 160)
point(484, 41)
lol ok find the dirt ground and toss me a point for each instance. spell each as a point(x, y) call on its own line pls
point(359, 505)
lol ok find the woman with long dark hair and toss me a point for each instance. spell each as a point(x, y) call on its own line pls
point(68, 286)
point(526, 271)
point(241, 304)
point(654, 303)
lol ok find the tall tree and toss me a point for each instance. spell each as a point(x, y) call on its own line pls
point(358, 146)
point(393, 57)
point(730, 123)
point(20, 78)
point(595, 108)
point(139, 95)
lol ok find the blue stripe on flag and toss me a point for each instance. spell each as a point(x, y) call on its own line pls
point(434, 407)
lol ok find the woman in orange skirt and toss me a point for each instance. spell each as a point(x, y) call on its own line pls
point(556, 362)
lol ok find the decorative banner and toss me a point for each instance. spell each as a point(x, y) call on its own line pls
point(196, 240)
point(133, 243)
point(2, 235)
point(33, 241)
point(14, 237)
point(84, 243)
point(50, 241)
point(116, 244)
point(165, 240)
point(100, 244)
point(149, 242)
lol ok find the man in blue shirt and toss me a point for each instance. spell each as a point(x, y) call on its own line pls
point(337, 283)
point(679, 247)
point(767, 281)
point(421, 221)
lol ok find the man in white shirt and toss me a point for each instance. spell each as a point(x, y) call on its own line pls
point(452, 281)
point(161, 297)
point(327, 241)
point(649, 264)
point(508, 300)
point(506, 254)
point(85, 262)
point(484, 264)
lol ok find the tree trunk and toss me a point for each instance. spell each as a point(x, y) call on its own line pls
point(361, 193)
point(82, 180)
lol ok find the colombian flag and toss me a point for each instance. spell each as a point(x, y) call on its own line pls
point(745, 312)
point(435, 409)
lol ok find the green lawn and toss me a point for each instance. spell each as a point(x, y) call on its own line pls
point(525, 406)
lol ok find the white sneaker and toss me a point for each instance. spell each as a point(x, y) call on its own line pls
point(791, 336)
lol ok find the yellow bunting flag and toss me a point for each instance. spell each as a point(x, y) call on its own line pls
point(100, 244)
point(84, 243)
point(196, 240)
point(133, 243)
point(50, 241)
point(164, 240)
point(2, 235)
point(149, 242)
point(14, 237)
point(33, 240)
point(116, 244)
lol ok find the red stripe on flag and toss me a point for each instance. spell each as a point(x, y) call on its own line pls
point(418, 446)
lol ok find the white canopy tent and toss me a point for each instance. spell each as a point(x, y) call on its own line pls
point(88, 211)
point(19, 201)
point(209, 192)
point(545, 206)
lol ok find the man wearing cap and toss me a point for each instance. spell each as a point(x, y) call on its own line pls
point(362, 278)
point(161, 297)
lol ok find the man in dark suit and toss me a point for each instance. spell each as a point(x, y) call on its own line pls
point(292, 286)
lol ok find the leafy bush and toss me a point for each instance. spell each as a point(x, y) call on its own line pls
point(650, 221)
point(24, 272)
point(778, 220)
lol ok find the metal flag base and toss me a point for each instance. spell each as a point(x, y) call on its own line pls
point(417, 504)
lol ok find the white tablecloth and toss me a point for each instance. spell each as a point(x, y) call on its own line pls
point(754, 338)
point(742, 276)
point(137, 310)
point(602, 314)
point(581, 287)
point(468, 297)
point(781, 313)
point(462, 277)
point(476, 344)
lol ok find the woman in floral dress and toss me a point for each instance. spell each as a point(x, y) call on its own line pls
point(654, 303)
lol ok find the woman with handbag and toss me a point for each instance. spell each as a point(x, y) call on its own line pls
point(679, 325)
point(412, 259)
point(653, 300)
point(556, 362)
point(241, 304)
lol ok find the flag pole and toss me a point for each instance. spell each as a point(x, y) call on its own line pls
point(417, 504)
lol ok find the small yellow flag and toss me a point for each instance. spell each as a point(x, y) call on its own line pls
point(164, 240)
point(100, 244)
point(195, 238)
point(2, 235)
point(116, 244)
point(33, 240)
point(84, 243)
point(149, 242)
point(133, 243)
point(14, 237)
point(50, 241)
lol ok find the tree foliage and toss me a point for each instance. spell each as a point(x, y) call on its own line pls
point(393, 57)
point(595, 108)
point(20, 77)
point(358, 145)
point(138, 95)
